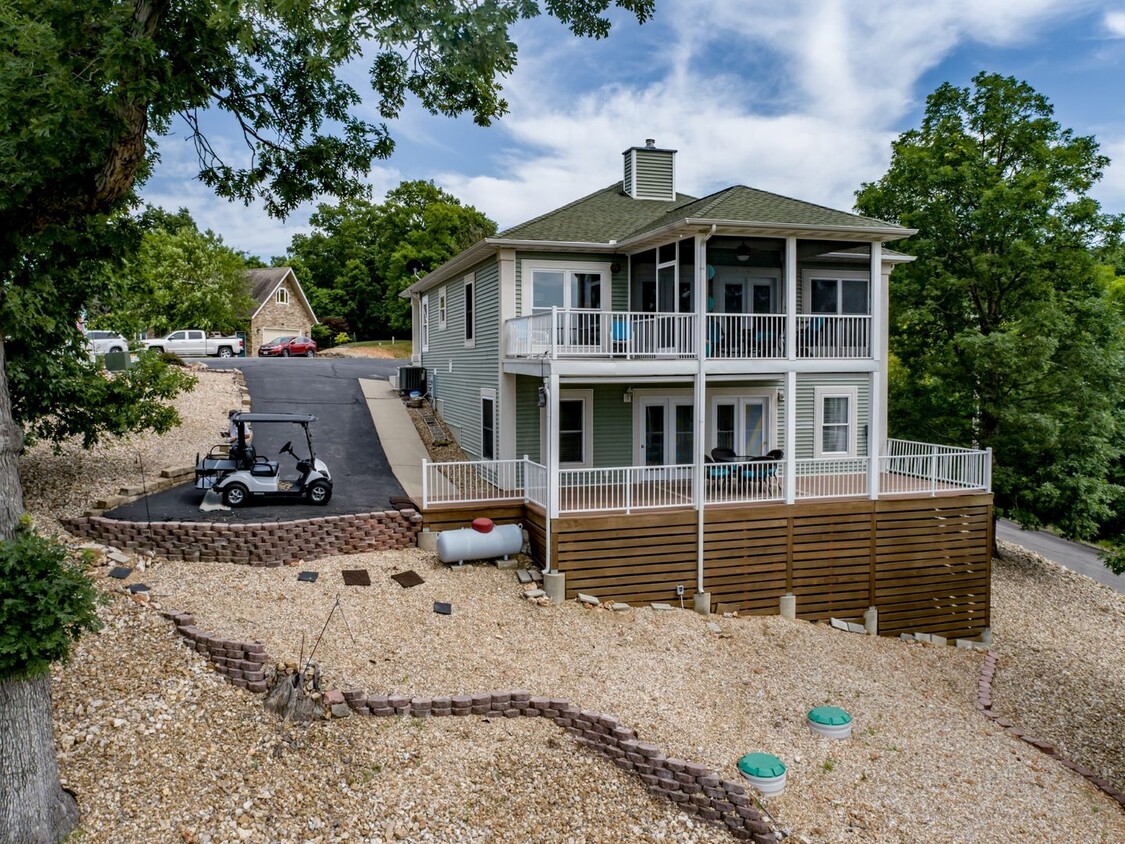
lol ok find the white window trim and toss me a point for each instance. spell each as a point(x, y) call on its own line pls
point(808, 275)
point(587, 398)
point(735, 394)
point(442, 307)
point(529, 265)
point(819, 395)
point(281, 296)
point(424, 318)
point(470, 293)
point(489, 394)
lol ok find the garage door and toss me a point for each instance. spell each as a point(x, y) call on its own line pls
point(273, 333)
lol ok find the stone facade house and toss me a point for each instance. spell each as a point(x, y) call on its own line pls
point(281, 307)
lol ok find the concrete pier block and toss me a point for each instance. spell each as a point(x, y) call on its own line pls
point(427, 540)
point(871, 621)
point(554, 584)
point(703, 603)
point(789, 605)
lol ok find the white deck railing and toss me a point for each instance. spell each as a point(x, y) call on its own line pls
point(907, 468)
point(922, 467)
point(475, 480)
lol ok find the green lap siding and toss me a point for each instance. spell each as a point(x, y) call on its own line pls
point(806, 408)
point(459, 371)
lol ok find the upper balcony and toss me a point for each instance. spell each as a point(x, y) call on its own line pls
point(633, 335)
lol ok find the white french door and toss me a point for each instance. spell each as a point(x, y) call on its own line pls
point(742, 424)
point(666, 432)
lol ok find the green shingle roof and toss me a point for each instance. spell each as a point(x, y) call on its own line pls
point(605, 215)
point(742, 204)
point(609, 214)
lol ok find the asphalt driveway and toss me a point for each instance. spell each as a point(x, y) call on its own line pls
point(344, 438)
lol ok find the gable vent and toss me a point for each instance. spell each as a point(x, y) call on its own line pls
point(650, 173)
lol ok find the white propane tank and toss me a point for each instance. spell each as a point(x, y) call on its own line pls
point(456, 546)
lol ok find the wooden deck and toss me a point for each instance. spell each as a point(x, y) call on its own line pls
point(924, 561)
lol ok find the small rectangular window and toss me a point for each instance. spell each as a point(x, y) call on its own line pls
point(425, 319)
point(470, 312)
point(441, 308)
point(487, 428)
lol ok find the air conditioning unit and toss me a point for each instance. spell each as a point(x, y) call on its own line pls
point(411, 378)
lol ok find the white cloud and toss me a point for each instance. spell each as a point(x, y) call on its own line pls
point(801, 98)
point(1115, 24)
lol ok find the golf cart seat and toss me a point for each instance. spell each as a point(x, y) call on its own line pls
point(263, 468)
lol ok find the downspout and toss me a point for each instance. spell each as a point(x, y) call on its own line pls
point(700, 394)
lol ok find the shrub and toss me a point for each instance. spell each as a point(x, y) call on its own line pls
point(46, 603)
point(172, 359)
point(342, 338)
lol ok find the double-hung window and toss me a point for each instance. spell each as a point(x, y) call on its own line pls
point(425, 320)
point(442, 308)
point(487, 424)
point(836, 422)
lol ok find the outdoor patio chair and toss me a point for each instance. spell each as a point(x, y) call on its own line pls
point(622, 334)
point(722, 454)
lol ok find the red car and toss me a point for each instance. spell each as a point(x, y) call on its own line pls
point(287, 347)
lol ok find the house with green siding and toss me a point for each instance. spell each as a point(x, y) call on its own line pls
point(639, 353)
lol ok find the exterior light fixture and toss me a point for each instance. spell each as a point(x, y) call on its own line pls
point(743, 253)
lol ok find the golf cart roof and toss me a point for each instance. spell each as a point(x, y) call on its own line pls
point(298, 418)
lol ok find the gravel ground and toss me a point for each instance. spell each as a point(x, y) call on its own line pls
point(65, 482)
point(1060, 637)
point(159, 749)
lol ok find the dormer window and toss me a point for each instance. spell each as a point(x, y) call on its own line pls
point(282, 296)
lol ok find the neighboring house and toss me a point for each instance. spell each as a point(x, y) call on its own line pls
point(281, 309)
point(600, 362)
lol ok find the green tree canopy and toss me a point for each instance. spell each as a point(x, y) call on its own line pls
point(1002, 329)
point(354, 261)
point(184, 278)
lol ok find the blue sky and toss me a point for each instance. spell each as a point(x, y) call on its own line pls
point(802, 98)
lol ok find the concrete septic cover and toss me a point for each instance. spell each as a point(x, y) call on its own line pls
point(406, 579)
point(356, 577)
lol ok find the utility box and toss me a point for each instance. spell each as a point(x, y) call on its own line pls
point(116, 361)
point(411, 379)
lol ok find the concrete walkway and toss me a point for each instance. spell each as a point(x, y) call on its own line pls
point(401, 443)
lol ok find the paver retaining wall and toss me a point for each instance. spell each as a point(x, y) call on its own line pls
point(257, 543)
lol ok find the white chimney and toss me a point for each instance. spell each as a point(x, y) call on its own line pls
point(650, 173)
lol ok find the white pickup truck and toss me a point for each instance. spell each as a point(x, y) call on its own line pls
point(192, 341)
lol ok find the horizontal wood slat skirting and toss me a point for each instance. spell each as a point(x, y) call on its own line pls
point(924, 562)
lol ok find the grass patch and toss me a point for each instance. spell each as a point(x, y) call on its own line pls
point(397, 348)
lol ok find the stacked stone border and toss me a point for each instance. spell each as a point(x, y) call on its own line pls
point(243, 663)
point(984, 703)
point(257, 543)
point(694, 788)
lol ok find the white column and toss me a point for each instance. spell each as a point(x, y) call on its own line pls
point(700, 399)
point(791, 298)
point(791, 436)
point(878, 301)
point(874, 435)
point(553, 444)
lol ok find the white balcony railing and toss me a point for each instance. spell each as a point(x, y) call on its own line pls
point(832, 336)
point(907, 468)
point(582, 333)
point(588, 333)
point(735, 336)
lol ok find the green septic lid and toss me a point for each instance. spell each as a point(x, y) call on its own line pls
point(761, 765)
point(829, 716)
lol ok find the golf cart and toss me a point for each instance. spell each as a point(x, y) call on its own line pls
point(238, 473)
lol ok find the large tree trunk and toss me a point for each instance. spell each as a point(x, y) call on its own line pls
point(34, 809)
point(11, 441)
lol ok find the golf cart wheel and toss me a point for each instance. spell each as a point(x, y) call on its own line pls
point(234, 495)
point(225, 352)
point(320, 492)
point(285, 353)
point(309, 352)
